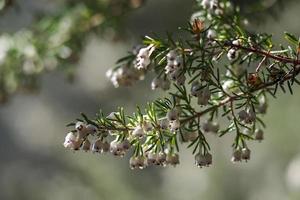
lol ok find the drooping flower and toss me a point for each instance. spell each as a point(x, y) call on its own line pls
point(143, 57)
point(72, 141)
point(236, 155)
point(172, 159)
point(246, 154)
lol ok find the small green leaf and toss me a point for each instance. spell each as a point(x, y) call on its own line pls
point(291, 38)
point(70, 124)
point(240, 31)
point(126, 58)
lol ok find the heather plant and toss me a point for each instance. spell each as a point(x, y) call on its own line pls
point(215, 73)
point(220, 72)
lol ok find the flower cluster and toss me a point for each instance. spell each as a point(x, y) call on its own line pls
point(241, 154)
point(54, 42)
point(174, 68)
point(173, 72)
point(135, 137)
point(212, 6)
point(202, 160)
point(124, 76)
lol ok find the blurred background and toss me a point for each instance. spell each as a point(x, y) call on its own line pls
point(35, 166)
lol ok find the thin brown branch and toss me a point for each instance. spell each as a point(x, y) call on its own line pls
point(266, 54)
point(233, 98)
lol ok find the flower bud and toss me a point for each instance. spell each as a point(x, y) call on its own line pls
point(211, 34)
point(236, 156)
point(164, 123)
point(200, 160)
point(142, 63)
point(137, 162)
point(178, 62)
point(86, 146)
point(173, 114)
point(143, 52)
point(172, 159)
point(70, 140)
point(151, 158)
point(232, 54)
point(91, 129)
point(105, 147)
point(133, 163)
point(125, 145)
point(141, 164)
point(156, 83)
point(109, 73)
point(195, 89)
point(170, 68)
point(215, 127)
point(97, 146)
point(143, 57)
point(246, 154)
point(79, 126)
point(259, 135)
point(237, 42)
point(174, 125)
point(112, 116)
point(262, 106)
point(161, 158)
point(251, 116)
point(209, 126)
point(138, 132)
point(206, 126)
point(116, 148)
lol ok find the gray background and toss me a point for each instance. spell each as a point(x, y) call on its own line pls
point(34, 164)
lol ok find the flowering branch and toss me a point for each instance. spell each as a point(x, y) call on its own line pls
point(233, 98)
point(54, 42)
point(208, 76)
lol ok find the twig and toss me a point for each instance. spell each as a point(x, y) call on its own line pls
point(266, 54)
point(233, 98)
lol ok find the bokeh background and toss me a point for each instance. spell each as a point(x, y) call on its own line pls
point(35, 166)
